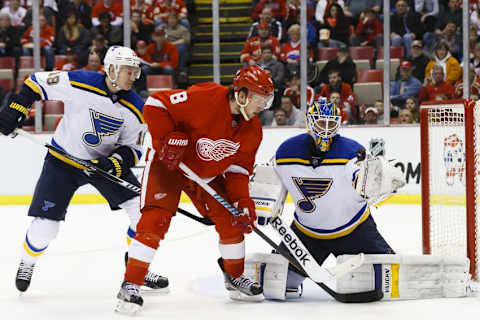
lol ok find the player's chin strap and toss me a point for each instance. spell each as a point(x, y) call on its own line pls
point(299, 256)
point(242, 106)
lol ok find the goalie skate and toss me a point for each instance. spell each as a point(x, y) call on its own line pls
point(24, 276)
point(129, 299)
point(241, 288)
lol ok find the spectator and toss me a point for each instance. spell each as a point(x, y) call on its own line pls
point(46, 42)
point(343, 63)
point(418, 60)
point(99, 46)
point(293, 91)
point(452, 37)
point(179, 35)
point(406, 86)
point(252, 51)
point(337, 101)
point(9, 37)
point(94, 63)
point(266, 117)
point(405, 117)
point(277, 69)
point(81, 8)
point(435, 85)
point(335, 83)
point(276, 29)
point(475, 60)
point(405, 26)
point(442, 57)
point(429, 10)
point(163, 7)
point(112, 34)
point(379, 107)
point(145, 63)
point(369, 31)
point(474, 85)
point(322, 8)
point(278, 7)
point(452, 13)
point(295, 117)
point(371, 116)
point(164, 54)
point(47, 11)
point(113, 8)
point(69, 63)
point(139, 30)
point(72, 35)
point(16, 13)
point(277, 92)
point(146, 11)
point(412, 104)
point(280, 118)
point(339, 28)
point(354, 8)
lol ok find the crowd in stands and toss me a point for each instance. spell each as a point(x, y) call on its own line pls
point(426, 35)
point(75, 34)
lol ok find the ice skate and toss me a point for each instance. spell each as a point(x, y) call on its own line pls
point(129, 299)
point(24, 276)
point(242, 288)
point(153, 282)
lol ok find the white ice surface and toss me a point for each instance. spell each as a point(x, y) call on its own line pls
point(79, 275)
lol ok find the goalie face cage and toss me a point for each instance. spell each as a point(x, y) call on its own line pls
point(450, 167)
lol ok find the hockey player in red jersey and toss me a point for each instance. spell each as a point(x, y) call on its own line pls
point(216, 132)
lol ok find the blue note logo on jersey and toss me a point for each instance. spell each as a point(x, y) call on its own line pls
point(103, 125)
point(311, 189)
point(47, 205)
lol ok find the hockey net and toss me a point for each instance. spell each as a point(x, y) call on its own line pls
point(450, 149)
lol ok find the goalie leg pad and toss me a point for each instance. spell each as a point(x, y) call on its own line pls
point(270, 270)
point(268, 193)
point(404, 277)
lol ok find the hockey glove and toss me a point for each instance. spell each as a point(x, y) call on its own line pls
point(110, 164)
point(172, 149)
point(12, 117)
point(246, 219)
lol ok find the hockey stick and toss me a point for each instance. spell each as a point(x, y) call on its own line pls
point(323, 274)
point(90, 167)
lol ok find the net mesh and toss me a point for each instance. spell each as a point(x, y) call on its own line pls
point(447, 180)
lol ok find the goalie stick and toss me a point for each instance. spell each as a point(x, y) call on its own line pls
point(90, 167)
point(315, 272)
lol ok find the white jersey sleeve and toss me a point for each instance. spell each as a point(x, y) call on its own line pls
point(53, 85)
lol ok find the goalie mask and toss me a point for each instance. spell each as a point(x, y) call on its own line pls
point(117, 56)
point(323, 121)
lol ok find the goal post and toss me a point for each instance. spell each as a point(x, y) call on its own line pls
point(450, 145)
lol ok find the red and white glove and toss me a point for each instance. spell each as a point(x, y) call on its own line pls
point(172, 149)
point(246, 219)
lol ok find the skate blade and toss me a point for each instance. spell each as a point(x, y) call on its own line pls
point(238, 296)
point(151, 291)
point(127, 308)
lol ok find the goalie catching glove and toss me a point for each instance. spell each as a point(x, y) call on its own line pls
point(376, 178)
point(172, 148)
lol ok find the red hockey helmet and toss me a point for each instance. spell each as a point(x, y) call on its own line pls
point(255, 79)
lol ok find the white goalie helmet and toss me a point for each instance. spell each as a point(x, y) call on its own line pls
point(117, 56)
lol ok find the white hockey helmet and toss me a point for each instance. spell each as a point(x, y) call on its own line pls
point(117, 56)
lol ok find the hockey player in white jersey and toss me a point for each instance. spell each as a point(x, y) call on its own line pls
point(333, 182)
point(102, 123)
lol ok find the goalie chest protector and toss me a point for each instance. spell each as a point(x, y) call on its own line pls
point(326, 203)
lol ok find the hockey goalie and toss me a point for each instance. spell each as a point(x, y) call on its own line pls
point(333, 183)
